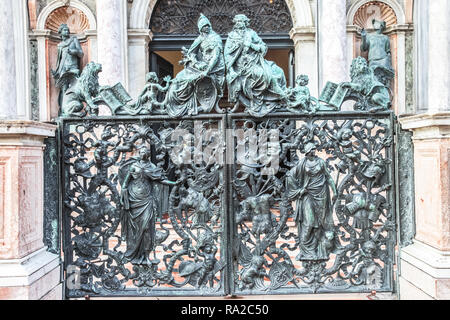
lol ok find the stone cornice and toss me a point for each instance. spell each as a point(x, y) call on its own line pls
point(9, 128)
point(390, 30)
point(34, 34)
point(427, 125)
point(140, 34)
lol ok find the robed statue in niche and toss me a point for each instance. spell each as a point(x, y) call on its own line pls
point(256, 83)
point(68, 61)
point(379, 47)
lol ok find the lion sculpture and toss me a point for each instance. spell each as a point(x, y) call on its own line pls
point(371, 94)
point(85, 90)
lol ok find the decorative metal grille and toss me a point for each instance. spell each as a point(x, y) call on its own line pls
point(227, 228)
point(275, 250)
point(120, 205)
point(280, 193)
point(180, 17)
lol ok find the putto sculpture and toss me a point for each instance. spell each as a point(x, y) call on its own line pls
point(299, 97)
point(147, 102)
point(68, 62)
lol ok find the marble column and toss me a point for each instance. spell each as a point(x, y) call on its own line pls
point(438, 56)
point(22, 57)
point(306, 55)
point(112, 43)
point(8, 102)
point(138, 59)
point(332, 29)
point(432, 56)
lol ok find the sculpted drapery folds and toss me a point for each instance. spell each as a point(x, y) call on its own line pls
point(142, 186)
point(309, 185)
point(258, 84)
point(199, 87)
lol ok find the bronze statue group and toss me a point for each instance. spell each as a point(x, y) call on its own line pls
point(253, 82)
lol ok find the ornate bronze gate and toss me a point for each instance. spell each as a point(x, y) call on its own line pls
point(282, 193)
point(228, 223)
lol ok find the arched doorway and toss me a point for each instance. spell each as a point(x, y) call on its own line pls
point(174, 25)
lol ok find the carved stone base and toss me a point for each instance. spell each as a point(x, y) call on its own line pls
point(27, 271)
point(425, 265)
point(33, 277)
point(431, 138)
point(424, 273)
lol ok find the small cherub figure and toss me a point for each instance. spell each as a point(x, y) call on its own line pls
point(148, 98)
point(300, 97)
point(365, 271)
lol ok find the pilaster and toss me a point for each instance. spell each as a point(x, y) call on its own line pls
point(425, 265)
point(306, 55)
point(138, 59)
point(27, 271)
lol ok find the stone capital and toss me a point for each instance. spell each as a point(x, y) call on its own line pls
point(427, 125)
point(303, 34)
point(139, 36)
point(19, 132)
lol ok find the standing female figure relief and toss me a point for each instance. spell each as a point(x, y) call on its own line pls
point(141, 202)
point(308, 184)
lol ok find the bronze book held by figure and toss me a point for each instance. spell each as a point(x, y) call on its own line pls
point(333, 94)
point(115, 96)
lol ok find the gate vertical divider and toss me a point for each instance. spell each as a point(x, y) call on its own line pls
point(396, 130)
point(62, 220)
point(60, 203)
point(393, 197)
point(229, 213)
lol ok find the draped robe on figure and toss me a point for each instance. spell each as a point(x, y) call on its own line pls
point(142, 203)
point(257, 83)
point(313, 209)
point(189, 89)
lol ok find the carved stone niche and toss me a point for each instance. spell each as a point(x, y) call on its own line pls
point(73, 17)
point(363, 19)
point(78, 24)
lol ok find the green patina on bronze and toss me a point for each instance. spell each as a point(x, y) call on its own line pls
point(214, 229)
point(254, 84)
point(68, 61)
point(379, 47)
